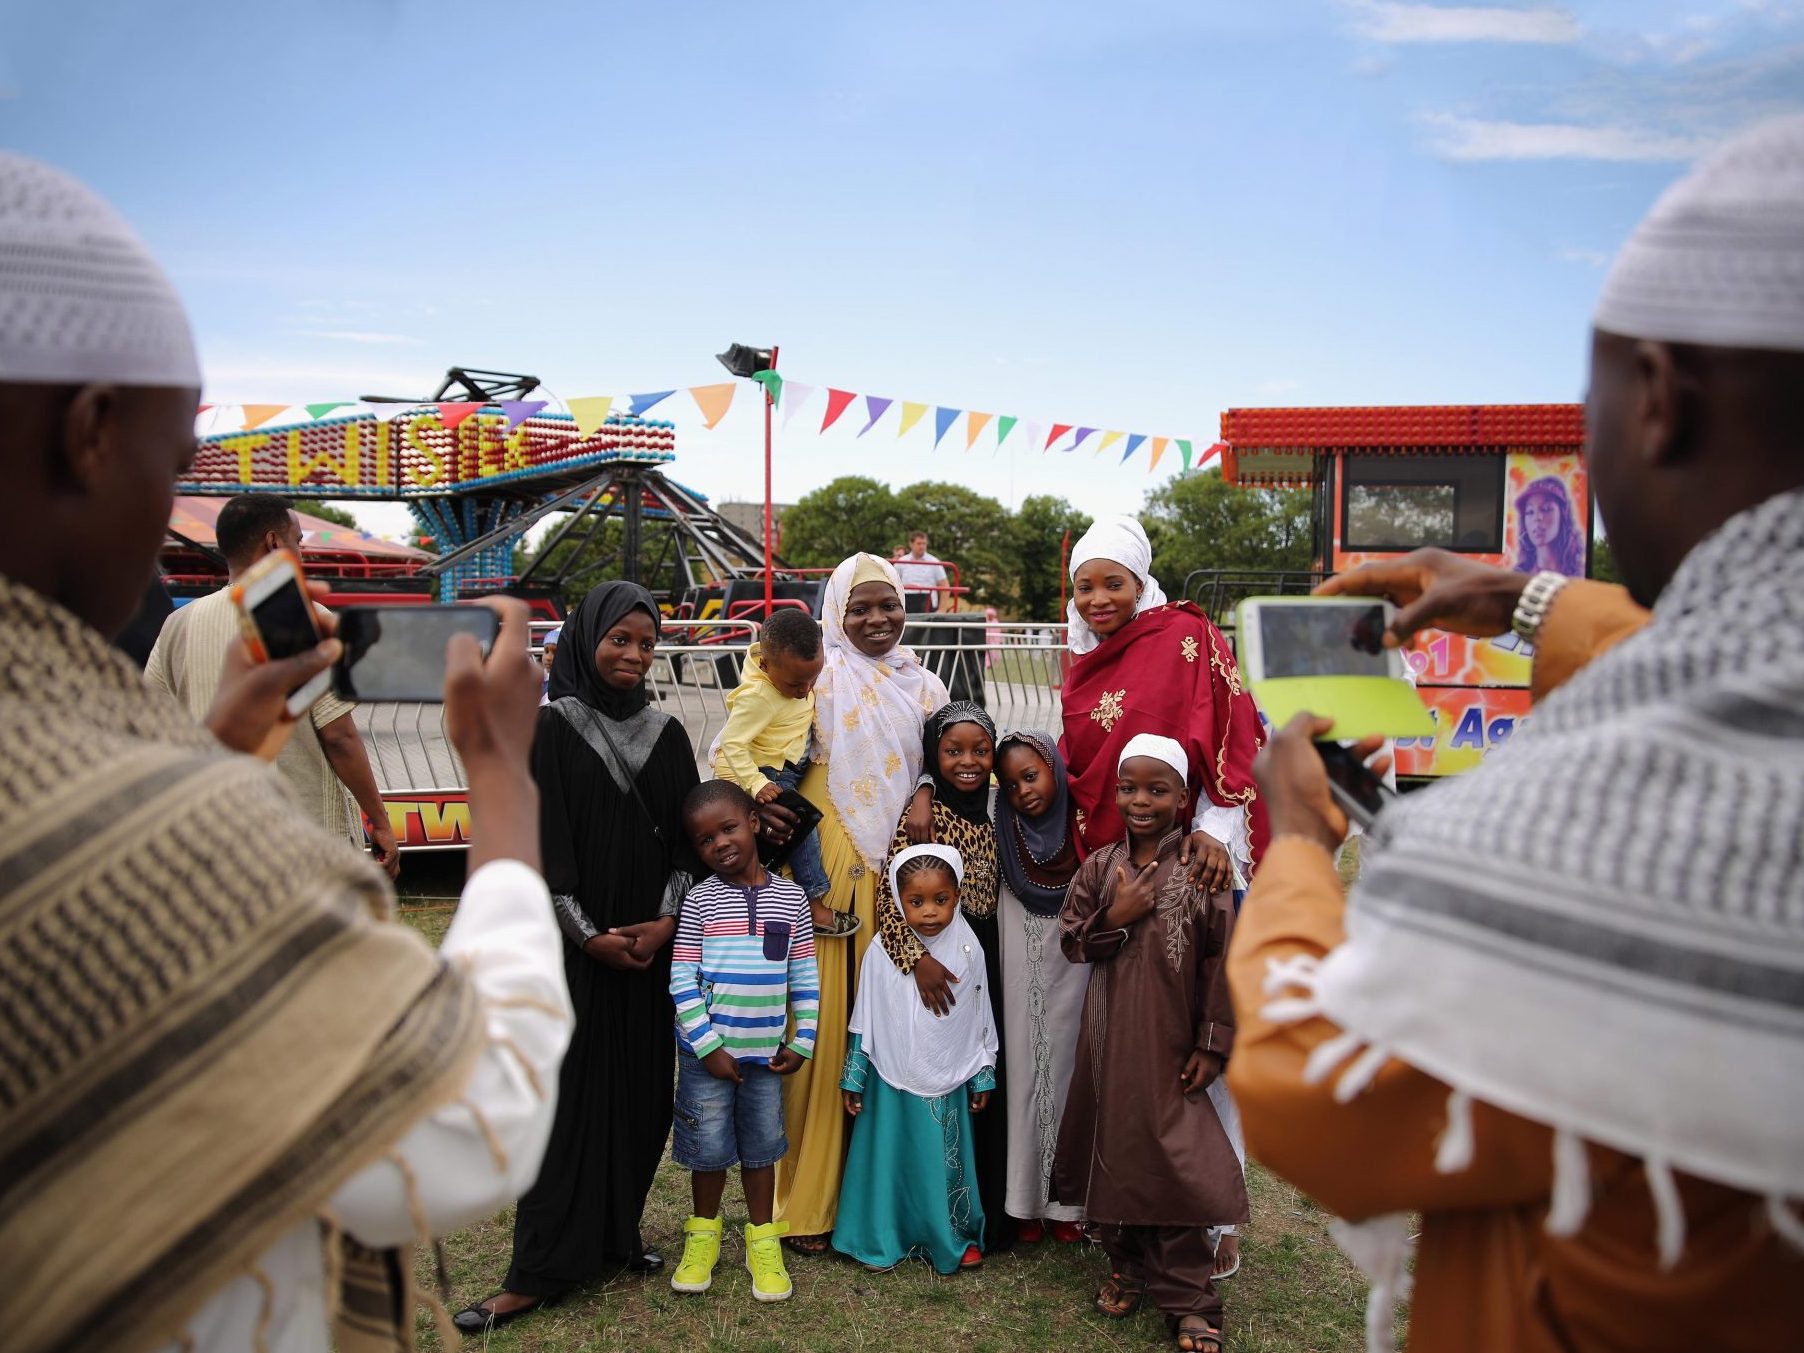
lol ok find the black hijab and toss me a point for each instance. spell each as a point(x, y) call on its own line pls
point(972, 805)
point(1040, 839)
point(573, 668)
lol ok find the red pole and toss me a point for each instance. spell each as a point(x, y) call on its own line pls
point(1064, 559)
point(770, 585)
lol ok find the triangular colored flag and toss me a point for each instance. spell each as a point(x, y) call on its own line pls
point(1058, 430)
point(876, 406)
point(453, 413)
point(772, 383)
point(1133, 445)
point(202, 409)
point(1159, 445)
point(1185, 451)
point(321, 410)
point(795, 395)
point(387, 413)
point(974, 424)
point(640, 403)
point(1211, 454)
point(1032, 430)
point(713, 400)
point(942, 419)
point(1078, 440)
point(837, 400)
point(519, 410)
point(911, 414)
point(1004, 426)
point(1108, 439)
point(256, 415)
point(590, 412)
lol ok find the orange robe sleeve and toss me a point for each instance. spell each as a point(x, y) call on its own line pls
point(1375, 1154)
point(1585, 620)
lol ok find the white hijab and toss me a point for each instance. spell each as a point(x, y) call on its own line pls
point(1122, 540)
point(869, 714)
point(913, 1049)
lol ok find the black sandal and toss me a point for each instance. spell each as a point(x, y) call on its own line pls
point(474, 1319)
point(812, 1246)
point(1128, 1294)
point(1207, 1339)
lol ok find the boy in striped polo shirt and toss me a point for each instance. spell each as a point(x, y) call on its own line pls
point(742, 966)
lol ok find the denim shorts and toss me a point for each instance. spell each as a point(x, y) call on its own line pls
point(720, 1124)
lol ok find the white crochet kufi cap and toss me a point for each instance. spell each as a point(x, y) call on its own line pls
point(1168, 750)
point(81, 299)
point(1720, 258)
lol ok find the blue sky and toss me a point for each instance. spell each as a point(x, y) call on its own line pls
point(1130, 215)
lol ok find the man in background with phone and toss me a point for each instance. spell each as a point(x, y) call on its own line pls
point(1560, 1014)
point(325, 756)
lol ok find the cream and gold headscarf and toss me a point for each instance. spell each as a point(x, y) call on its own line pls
point(868, 717)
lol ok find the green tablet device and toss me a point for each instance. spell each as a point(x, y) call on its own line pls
point(1326, 655)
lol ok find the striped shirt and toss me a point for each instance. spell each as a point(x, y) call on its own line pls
point(742, 963)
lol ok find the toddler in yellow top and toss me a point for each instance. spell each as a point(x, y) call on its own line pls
point(764, 747)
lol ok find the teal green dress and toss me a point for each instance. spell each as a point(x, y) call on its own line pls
point(891, 1206)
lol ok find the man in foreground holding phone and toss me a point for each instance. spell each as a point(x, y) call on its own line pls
point(1561, 1014)
point(325, 756)
point(232, 1095)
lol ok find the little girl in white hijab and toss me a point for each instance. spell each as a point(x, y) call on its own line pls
point(912, 1081)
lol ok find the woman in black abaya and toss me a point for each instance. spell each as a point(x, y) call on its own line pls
point(612, 773)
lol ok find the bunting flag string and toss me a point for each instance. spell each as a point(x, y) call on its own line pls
point(714, 401)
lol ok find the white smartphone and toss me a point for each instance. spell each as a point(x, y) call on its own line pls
point(276, 615)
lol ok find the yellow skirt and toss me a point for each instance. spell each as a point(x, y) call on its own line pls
point(814, 1116)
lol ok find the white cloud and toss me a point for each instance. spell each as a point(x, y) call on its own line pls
point(1385, 21)
point(365, 336)
point(1469, 139)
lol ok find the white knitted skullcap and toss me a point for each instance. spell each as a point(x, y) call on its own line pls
point(81, 299)
point(1720, 258)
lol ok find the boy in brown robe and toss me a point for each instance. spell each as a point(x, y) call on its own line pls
point(1140, 1146)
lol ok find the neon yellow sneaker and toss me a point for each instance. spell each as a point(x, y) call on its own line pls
point(701, 1251)
point(764, 1261)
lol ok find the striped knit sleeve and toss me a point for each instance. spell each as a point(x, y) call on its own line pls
point(686, 977)
point(804, 978)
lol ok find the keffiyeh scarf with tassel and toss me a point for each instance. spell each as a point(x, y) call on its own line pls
point(1619, 892)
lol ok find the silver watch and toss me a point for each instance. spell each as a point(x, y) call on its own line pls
point(1535, 601)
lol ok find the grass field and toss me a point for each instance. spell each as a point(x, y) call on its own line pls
point(1295, 1292)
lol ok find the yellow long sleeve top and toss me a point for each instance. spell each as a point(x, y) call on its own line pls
point(764, 728)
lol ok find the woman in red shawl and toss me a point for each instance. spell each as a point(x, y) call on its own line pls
point(1146, 665)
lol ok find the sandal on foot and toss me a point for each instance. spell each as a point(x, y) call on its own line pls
point(1193, 1334)
point(809, 1245)
point(844, 923)
point(1231, 1269)
point(479, 1319)
point(972, 1258)
point(1067, 1232)
point(1119, 1297)
point(1030, 1232)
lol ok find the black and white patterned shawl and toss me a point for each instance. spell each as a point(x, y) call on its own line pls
point(1602, 929)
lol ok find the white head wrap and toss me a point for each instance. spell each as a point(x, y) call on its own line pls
point(911, 1048)
point(946, 853)
point(1123, 540)
point(1720, 258)
point(81, 299)
point(1167, 750)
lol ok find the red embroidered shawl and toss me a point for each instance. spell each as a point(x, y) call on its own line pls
point(1167, 671)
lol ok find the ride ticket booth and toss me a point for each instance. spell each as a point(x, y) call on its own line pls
point(1503, 483)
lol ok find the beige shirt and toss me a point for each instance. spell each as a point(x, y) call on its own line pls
point(186, 662)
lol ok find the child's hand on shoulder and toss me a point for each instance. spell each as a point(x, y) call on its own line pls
point(980, 1100)
point(721, 1065)
point(918, 822)
point(1200, 1070)
point(1133, 895)
point(768, 794)
point(854, 1102)
point(786, 1061)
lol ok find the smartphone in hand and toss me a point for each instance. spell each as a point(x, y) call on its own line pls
point(397, 653)
point(277, 618)
point(1361, 794)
